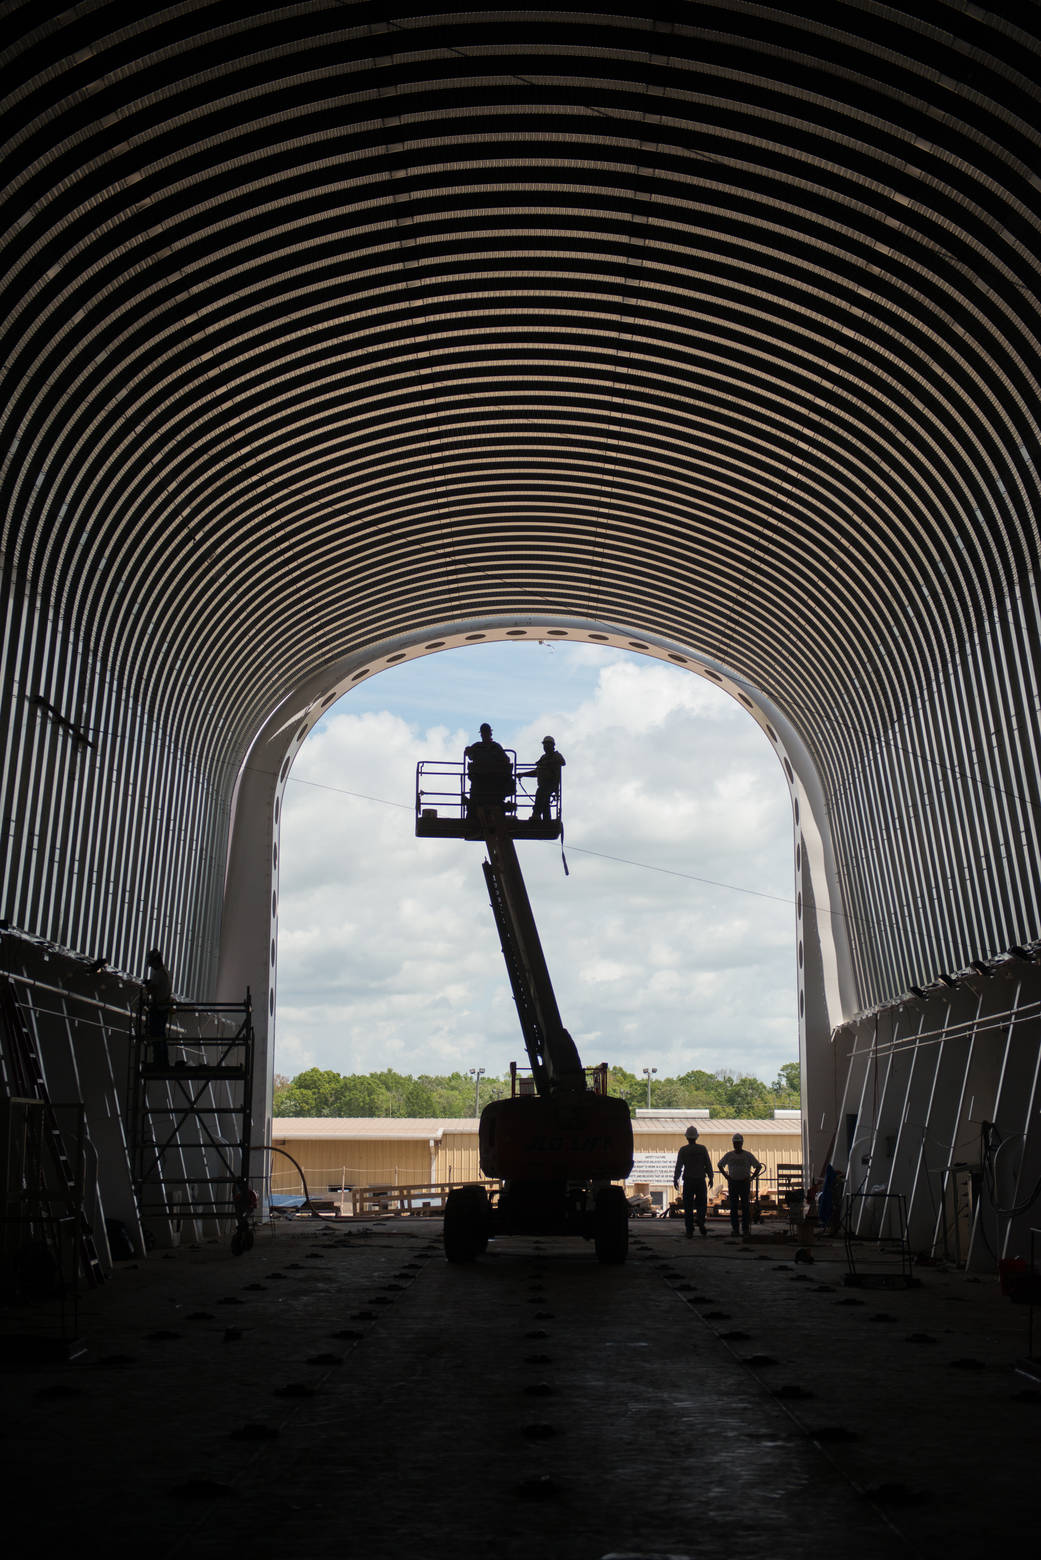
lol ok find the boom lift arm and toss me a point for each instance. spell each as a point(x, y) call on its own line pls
point(554, 1058)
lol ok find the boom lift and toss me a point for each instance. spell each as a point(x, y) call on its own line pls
point(560, 1141)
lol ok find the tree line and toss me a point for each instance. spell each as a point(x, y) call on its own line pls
point(324, 1093)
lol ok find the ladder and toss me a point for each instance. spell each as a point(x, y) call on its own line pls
point(23, 1078)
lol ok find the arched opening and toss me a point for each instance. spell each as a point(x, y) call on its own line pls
point(820, 956)
point(671, 940)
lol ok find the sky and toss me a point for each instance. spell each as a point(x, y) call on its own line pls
point(671, 943)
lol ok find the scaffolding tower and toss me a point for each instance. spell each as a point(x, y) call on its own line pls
point(190, 1109)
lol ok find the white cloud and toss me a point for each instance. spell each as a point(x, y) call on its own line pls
point(388, 955)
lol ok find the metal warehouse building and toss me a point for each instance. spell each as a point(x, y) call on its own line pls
point(336, 334)
point(336, 1152)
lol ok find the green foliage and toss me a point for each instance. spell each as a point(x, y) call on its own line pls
point(720, 1092)
point(749, 1097)
point(311, 1093)
point(451, 1096)
point(788, 1086)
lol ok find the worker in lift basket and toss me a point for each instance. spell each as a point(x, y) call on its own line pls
point(547, 774)
point(490, 771)
point(695, 1167)
point(739, 1166)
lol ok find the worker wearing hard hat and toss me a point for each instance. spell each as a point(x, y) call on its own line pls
point(695, 1168)
point(490, 771)
point(739, 1166)
point(547, 773)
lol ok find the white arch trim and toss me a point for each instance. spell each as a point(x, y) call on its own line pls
point(249, 924)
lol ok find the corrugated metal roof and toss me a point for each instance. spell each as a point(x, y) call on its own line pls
point(719, 1126)
point(622, 309)
point(337, 1127)
point(403, 1127)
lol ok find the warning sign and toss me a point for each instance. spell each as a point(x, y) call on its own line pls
point(655, 1167)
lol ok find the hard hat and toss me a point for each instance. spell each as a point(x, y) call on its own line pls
point(549, 739)
point(738, 1140)
point(692, 1132)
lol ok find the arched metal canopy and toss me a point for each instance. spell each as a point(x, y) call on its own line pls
point(332, 327)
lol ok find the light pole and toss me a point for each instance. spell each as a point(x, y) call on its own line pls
point(648, 1073)
point(477, 1073)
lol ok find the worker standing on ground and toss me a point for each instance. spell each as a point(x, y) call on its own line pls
point(739, 1167)
point(547, 773)
point(159, 994)
point(695, 1168)
point(490, 771)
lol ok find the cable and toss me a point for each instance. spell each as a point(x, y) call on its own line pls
point(646, 866)
point(992, 1145)
point(317, 785)
point(691, 877)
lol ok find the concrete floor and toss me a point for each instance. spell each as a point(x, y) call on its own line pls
point(341, 1390)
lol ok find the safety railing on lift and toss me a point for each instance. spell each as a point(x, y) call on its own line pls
point(442, 801)
point(522, 1079)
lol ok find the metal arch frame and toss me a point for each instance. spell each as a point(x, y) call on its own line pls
point(324, 325)
point(249, 940)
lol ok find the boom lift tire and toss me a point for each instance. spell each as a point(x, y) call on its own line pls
point(466, 1223)
point(611, 1225)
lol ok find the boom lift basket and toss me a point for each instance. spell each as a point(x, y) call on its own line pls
point(442, 804)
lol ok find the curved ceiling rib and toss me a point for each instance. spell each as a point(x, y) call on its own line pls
point(330, 323)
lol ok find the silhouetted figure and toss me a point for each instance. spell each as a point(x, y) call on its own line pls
point(547, 773)
point(695, 1168)
point(159, 992)
point(490, 771)
point(739, 1167)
